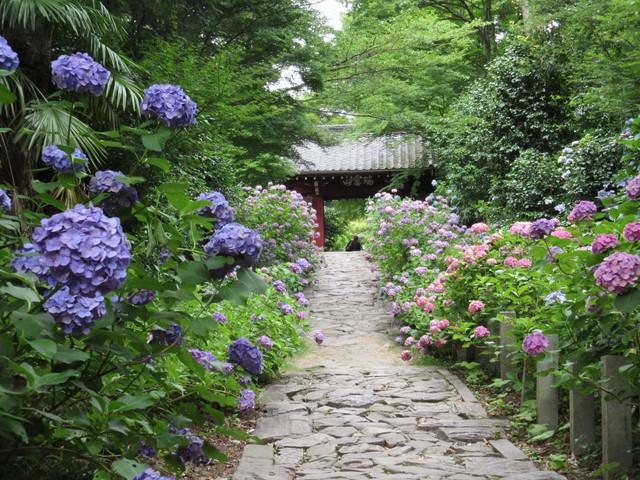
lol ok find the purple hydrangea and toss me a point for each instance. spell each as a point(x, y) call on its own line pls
point(74, 313)
point(205, 359)
point(192, 453)
point(79, 73)
point(84, 250)
point(591, 304)
point(8, 58)
point(247, 401)
point(148, 451)
point(584, 210)
point(265, 342)
point(27, 260)
point(143, 297)
point(279, 286)
point(631, 232)
point(237, 241)
point(151, 474)
point(220, 317)
point(121, 195)
point(286, 308)
point(318, 337)
point(58, 159)
point(603, 242)
point(633, 188)
point(164, 255)
point(5, 201)
point(304, 263)
point(218, 210)
point(535, 343)
point(243, 381)
point(618, 272)
point(242, 352)
point(169, 104)
point(302, 300)
point(540, 228)
point(171, 335)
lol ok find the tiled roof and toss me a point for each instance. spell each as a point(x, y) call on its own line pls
point(390, 153)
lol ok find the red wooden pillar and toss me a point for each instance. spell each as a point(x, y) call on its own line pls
point(317, 202)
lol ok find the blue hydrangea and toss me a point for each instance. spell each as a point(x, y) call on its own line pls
point(27, 260)
point(218, 210)
point(122, 195)
point(279, 286)
point(243, 353)
point(148, 451)
point(58, 159)
point(237, 241)
point(84, 250)
point(8, 58)
point(304, 263)
point(79, 73)
point(5, 201)
point(243, 381)
point(165, 253)
point(219, 317)
point(74, 313)
point(151, 474)
point(142, 297)
point(205, 359)
point(193, 452)
point(169, 104)
point(171, 335)
point(286, 308)
point(247, 401)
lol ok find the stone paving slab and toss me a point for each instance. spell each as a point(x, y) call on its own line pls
point(353, 411)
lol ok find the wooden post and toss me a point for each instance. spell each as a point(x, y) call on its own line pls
point(616, 421)
point(506, 327)
point(546, 395)
point(582, 417)
point(485, 354)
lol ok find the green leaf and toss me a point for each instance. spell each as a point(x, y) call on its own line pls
point(129, 402)
point(32, 325)
point(128, 468)
point(69, 355)
point(202, 326)
point(17, 428)
point(45, 347)
point(213, 453)
point(6, 95)
point(55, 378)
point(628, 302)
point(156, 141)
point(253, 281)
point(162, 163)
point(22, 293)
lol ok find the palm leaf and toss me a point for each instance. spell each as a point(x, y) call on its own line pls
point(23, 88)
point(48, 123)
point(123, 92)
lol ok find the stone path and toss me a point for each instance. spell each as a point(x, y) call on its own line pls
point(352, 410)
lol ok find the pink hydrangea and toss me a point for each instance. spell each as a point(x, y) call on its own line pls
point(618, 272)
point(492, 261)
point(422, 301)
point(475, 306)
point(406, 329)
point(429, 307)
point(511, 261)
point(561, 233)
point(479, 228)
point(524, 263)
point(469, 259)
point(520, 228)
point(480, 332)
point(405, 356)
point(603, 242)
point(424, 341)
point(441, 342)
point(535, 343)
point(584, 210)
point(633, 188)
point(409, 341)
point(631, 232)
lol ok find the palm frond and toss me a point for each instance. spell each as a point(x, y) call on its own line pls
point(46, 124)
point(107, 56)
point(26, 13)
point(123, 92)
point(23, 88)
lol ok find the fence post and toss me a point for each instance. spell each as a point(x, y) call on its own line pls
point(546, 395)
point(506, 327)
point(581, 417)
point(485, 354)
point(616, 421)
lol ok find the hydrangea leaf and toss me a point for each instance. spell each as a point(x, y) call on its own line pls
point(130, 402)
point(55, 378)
point(32, 325)
point(161, 163)
point(6, 95)
point(21, 293)
point(213, 453)
point(156, 141)
point(128, 468)
point(203, 326)
point(628, 302)
point(252, 281)
point(47, 348)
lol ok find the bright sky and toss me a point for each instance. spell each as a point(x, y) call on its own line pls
point(332, 9)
